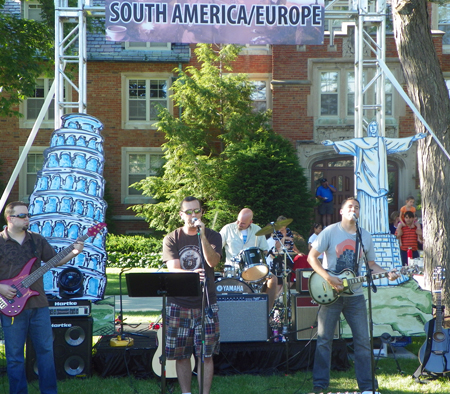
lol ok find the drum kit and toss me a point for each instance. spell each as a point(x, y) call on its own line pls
point(253, 271)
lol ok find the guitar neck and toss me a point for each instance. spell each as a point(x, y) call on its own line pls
point(52, 263)
point(438, 325)
point(361, 279)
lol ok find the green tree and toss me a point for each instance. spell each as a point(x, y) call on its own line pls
point(426, 87)
point(222, 151)
point(263, 174)
point(26, 53)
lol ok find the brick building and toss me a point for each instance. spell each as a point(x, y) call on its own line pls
point(309, 88)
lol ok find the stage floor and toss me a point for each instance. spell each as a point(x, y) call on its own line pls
point(262, 358)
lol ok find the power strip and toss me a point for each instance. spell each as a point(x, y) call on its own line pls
point(121, 342)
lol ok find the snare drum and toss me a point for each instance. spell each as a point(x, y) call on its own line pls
point(232, 285)
point(253, 264)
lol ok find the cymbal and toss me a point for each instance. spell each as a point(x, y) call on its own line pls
point(265, 230)
point(282, 223)
point(271, 226)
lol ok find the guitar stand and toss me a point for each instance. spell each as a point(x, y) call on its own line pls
point(166, 284)
point(386, 339)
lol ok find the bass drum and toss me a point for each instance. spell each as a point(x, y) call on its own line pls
point(232, 286)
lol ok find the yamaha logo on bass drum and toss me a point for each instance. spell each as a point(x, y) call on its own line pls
point(232, 285)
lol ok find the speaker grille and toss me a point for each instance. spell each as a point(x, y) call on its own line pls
point(306, 317)
point(72, 348)
point(243, 317)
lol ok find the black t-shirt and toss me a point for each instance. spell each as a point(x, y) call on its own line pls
point(179, 246)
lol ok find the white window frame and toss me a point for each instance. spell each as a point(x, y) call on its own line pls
point(343, 117)
point(148, 46)
point(338, 93)
point(27, 6)
point(126, 197)
point(47, 122)
point(266, 78)
point(142, 124)
point(437, 24)
point(34, 150)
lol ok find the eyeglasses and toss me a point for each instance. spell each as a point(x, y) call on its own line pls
point(21, 215)
point(190, 211)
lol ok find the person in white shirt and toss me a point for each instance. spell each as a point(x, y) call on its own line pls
point(241, 235)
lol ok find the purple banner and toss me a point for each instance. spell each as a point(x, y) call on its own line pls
point(254, 22)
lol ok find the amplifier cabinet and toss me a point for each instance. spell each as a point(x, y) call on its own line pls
point(305, 316)
point(72, 348)
point(243, 317)
point(302, 280)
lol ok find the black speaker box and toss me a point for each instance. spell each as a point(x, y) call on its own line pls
point(305, 311)
point(243, 317)
point(72, 348)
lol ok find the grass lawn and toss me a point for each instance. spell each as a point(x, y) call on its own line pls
point(389, 378)
point(114, 278)
point(390, 381)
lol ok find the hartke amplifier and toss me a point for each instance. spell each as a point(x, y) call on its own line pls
point(305, 311)
point(302, 280)
point(72, 308)
point(72, 348)
point(243, 317)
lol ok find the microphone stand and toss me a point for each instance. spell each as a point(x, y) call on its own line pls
point(370, 285)
point(204, 292)
point(286, 298)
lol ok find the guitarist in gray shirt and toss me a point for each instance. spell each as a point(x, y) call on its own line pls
point(339, 244)
point(17, 247)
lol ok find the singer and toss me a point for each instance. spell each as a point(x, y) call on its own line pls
point(181, 252)
point(342, 250)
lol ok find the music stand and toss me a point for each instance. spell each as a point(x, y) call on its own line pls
point(163, 284)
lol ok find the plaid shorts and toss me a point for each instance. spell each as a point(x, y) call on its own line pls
point(184, 332)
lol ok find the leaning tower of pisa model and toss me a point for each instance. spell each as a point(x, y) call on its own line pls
point(68, 199)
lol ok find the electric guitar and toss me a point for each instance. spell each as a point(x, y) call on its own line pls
point(323, 293)
point(23, 281)
point(171, 370)
point(440, 339)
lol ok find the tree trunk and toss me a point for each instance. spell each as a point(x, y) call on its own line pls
point(427, 89)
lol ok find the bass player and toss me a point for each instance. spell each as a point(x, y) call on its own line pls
point(339, 243)
point(17, 247)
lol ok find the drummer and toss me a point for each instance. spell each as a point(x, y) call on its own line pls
point(286, 237)
point(241, 235)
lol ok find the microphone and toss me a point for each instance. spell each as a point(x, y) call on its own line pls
point(354, 217)
point(193, 222)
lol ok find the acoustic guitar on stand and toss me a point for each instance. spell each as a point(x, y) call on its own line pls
point(439, 340)
point(171, 369)
point(23, 281)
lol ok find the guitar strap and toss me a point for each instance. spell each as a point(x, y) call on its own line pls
point(426, 356)
point(356, 257)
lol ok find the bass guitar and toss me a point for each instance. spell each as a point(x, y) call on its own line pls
point(323, 293)
point(23, 281)
point(433, 353)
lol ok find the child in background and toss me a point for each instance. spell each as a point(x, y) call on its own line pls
point(409, 207)
point(315, 231)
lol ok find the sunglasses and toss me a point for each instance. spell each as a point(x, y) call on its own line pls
point(21, 215)
point(191, 211)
